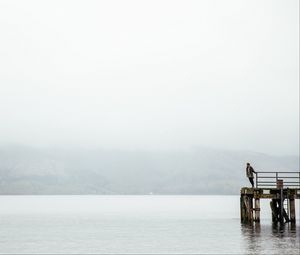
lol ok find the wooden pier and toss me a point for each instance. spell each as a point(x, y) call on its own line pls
point(282, 188)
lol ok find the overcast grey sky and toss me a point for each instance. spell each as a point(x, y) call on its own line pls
point(151, 74)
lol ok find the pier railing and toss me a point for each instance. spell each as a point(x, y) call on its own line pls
point(271, 179)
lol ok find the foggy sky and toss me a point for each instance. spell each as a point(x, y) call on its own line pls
point(150, 74)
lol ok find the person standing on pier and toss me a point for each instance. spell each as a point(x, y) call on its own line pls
point(250, 171)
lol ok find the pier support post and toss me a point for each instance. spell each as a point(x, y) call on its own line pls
point(246, 205)
point(292, 211)
point(274, 208)
point(281, 207)
point(242, 209)
point(251, 209)
point(257, 210)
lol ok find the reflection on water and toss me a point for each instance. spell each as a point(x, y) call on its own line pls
point(284, 228)
point(271, 238)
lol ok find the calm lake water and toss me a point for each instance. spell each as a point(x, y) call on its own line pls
point(137, 224)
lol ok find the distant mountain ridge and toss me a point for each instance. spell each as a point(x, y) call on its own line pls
point(25, 170)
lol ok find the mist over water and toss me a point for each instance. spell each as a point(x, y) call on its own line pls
point(197, 171)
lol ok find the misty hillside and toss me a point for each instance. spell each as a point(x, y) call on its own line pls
point(25, 170)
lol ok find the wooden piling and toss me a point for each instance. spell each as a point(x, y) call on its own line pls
point(274, 209)
point(246, 206)
point(280, 202)
point(257, 210)
point(292, 210)
point(242, 209)
point(250, 209)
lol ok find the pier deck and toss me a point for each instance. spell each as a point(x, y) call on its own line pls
point(282, 188)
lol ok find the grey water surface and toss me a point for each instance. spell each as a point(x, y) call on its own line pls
point(137, 225)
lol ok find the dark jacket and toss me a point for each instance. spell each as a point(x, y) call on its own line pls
point(250, 171)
